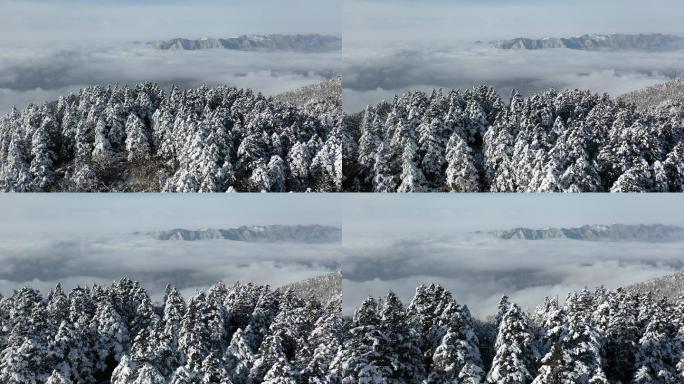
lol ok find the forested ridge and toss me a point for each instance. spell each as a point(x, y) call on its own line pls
point(248, 334)
point(240, 334)
point(467, 141)
point(142, 138)
point(223, 139)
point(594, 337)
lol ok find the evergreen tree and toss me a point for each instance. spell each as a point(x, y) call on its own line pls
point(514, 356)
point(147, 374)
point(457, 357)
point(209, 140)
point(401, 352)
point(461, 174)
point(137, 143)
point(42, 155)
point(658, 352)
point(57, 378)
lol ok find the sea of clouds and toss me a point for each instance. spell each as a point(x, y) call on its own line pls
point(374, 75)
point(37, 75)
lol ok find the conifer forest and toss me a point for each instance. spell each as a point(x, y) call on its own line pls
point(139, 138)
point(246, 333)
point(474, 141)
point(227, 139)
point(341, 192)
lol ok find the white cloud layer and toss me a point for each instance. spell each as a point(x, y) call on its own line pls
point(81, 239)
point(373, 76)
point(39, 75)
point(50, 48)
point(189, 265)
point(397, 242)
point(479, 272)
point(392, 46)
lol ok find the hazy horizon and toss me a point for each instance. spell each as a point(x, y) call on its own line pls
point(398, 242)
point(434, 46)
point(50, 49)
point(85, 239)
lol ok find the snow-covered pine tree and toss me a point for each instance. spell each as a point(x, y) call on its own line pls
point(400, 352)
point(457, 357)
point(622, 336)
point(190, 140)
point(57, 378)
point(658, 351)
point(42, 155)
point(359, 357)
point(514, 357)
point(461, 174)
point(271, 354)
point(571, 141)
point(137, 142)
point(112, 336)
point(147, 374)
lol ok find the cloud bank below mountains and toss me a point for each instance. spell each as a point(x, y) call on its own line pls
point(38, 75)
point(50, 48)
point(479, 270)
point(400, 241)
point(393, 46)
point(372, 76)
point(187, 265)
point(80, 239)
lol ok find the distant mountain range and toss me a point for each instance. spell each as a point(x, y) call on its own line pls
point(272, 42)
point(664, 95)
point(615, 232)
point(322, 288)
point(257, 233)
point(595, 42)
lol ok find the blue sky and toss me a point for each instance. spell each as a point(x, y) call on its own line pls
point(52, 48)
point(41, 23)
point(395, 242)
point(83, 239)
point(385, 22)
point(390, 217)
point(60, 215)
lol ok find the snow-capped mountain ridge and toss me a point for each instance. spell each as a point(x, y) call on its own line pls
point(593, 42)
point(613, 232)
point(271, 42)
point(257, 233)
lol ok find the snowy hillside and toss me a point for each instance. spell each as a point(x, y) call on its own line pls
point(145, 139)
point(613, 42)
point(671, 287)
point(251, 334)
point(272, 42)
point(264, 233)
point(324, 288)
point(238, 334)
point(615, 232)
point(662, 95)
point(592, 337)
point(472, 140)
point(327, 93)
